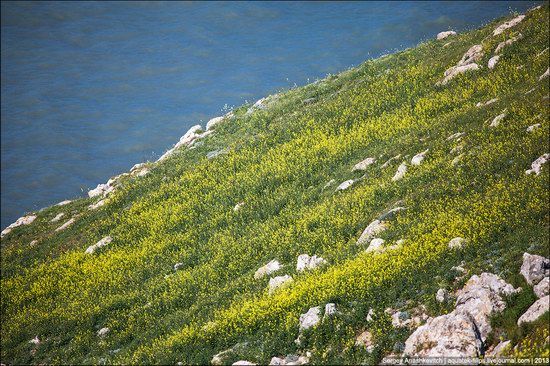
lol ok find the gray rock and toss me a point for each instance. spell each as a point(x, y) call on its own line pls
point(534, 268)
point(66, 225)
point(442, 295)
point(508, 42)
point(443, 35)
point(373, 229)
point(238, 206)
point(364, 164)
point(186, 140)
point(500, 349)
point(279, 281)
point(493, 62)
point(391, 213)
point(545, 75)
point(96, 205)
point(473, 54)
point(305, 262)
point(213, 122)
point(329, 183)
point(456, 136)
point(496, 121)
point(389, 161)
point(536, 310)
point(344, 185)
point(401, 170)
point(542, 288)
point(330, 309)
point(365, 340)
point(376, 245)
point(243, 363)
point(454, 71)
point(103, 332)
point(536, 166)
point(457, 242)
point(484, 104)
point(509, 24)
point(25, 220)
point(100, 244)
point(418, 158)
point(57, 217)
point(272, 266)
point(216, 153)
point(63, 203)
point(311, 318)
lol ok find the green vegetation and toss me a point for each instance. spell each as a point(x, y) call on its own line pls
point(279, 160)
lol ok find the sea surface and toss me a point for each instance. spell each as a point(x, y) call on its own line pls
point(90, 88)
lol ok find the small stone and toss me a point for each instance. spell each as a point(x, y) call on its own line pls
point(442, 295)
point(238, 206)
point(496, 121)
point(401, 170)
point(103, 332)
point(400, 319)
point(545, 75)
point(391, 213)
point(457, 242)
point(389, 161)
point(66, 225)
point(455, 136)
point(243, 363)
point(509, 24)
point(268, 269)
point(418, 158)
point(96, 205)
point(363, 165)
point(457, 70)
point(373, 229)
point(365, 340)
point(533, 127)
point(536, 166)
point(344, 185)
point(311, 318)
point(534, 268)
point(443, 35)
point(536, 310)
point(375, 245)
point(329, 183)
point(491, 101)
point(305, 262)
point(100, 244)
point(35, 341)
point(542, 288)
point(493, 62)
point(330, 309)
point(100, 190)
point(57, 217)
point(279, 281)
point(33, 243)
point(370, 315)
point(178, 266)
point(212, 122)
point(63, 203)
point(25, 220)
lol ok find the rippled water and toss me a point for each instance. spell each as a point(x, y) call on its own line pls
point(91, 88)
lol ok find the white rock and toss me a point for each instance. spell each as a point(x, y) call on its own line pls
point(534, 268)
point(214, 154)
point(533, 127)
point(63, 203)
point(545, 75)
point(96, 205)
point(35, 341)
point(329, 183)
point(213, 122)
point(143, 172)
point(66, 225)
point(442, 295)
point(373, 229)
point(481, 104)
point(311, 318)
point(363, 165)
point(243, 363)
point(25, 220)
point(365, 340)
point(330, 309)
point(178, 266)
point(33, 243)
point(305, 262)
point(457, 70)
point(456, 149)
point(536, 166)
point(389, 161)
point(457, 242)
point(186, 140)
point(279, 281)
point(509, 24)
point(57, 217)
point(103, 332)
point(543, 287)
point(542, 52)
point(238, 206)
point(457, 160)
point(401, 170)
point(100, 244)
point(418, 158)
point(500, 349)
point(508, 42)
point(101, 189)
point(443, 35)
point(272, 266)
point(496, 121)
point(493, 62)
point(456, 136)
point(344, 185)
point(391, 213)
point(375, 245)
point(536, 310)
point(400, 319)
point(473, 54)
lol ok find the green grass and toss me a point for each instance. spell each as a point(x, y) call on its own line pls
point(279, 160)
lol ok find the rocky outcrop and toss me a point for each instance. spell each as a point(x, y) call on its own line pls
point(277, 282)
point(213, 122)
point(509, 24)
point(542, 288)
point(100, 244)
point(463, 331)
point(221, 358)
point(305, 262)
point(25, 220)
point(443, 35)
point(545, 75)
point(96, 205)
point(345, 185)
point(66, 225)
point(214, 154)
point(187, 140)
point(401, 170)
point(418, 158)
point(466, 63)
point(375, 245)
point(536, 166)
point(534, 268)
point(373, 229)
point(238, 206)
point(57, 217)
point(363, 165)
point(310, 318)
point(63, 203)
point(100, 190)
point(535, 311)
point(442, 296)
point(103, 332)
point(391, 213)
point(389, 161)
point(272, 266)
point(243, 363)
point(330, 310)
point(365, 340)
point(508, 42)
point(493, 62)
point(456, 136)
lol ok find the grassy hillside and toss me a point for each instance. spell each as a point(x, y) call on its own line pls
point(279, 160)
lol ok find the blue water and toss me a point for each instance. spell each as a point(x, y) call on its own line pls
point(91, 88)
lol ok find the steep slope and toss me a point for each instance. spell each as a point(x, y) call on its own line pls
point(178, 242)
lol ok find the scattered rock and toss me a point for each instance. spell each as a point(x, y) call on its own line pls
point(389, 161)
point(35, 341)
point(373, 229)
point(391, 213)
point(480, 104)
point(497, 119)
point(344, 185)
point(375, 245)
point(400, 319)
point(100, 244)
point(542, 52)
point(473, 54)
point(442, 295)
point(545, 75)
point(533, 127)
point(96, 205)
point(101, 189)
point(212, 122)
point(509, 24)
point(363, 165)
point(457, 242)
point(330, 309)
point(536, 166)
point(443, 35)
point(457, 149)
point(25, 220)
point(272, 266)
point(33, 243)
point(536, 310)
point(103, 332)
point(456, 136)
point(57, 217)
point(401, 170)
point(329, 183)
point(311, 318)
point(365, 340)
point(457, 70)
point(500, 348)
point(63, 203)
point(279, 281)
point(243, 363)
point(493, 62)
point(534, 268)
point(143, 172)
point(289, 360)
point(508, 42)
point(178, 266)
point(186, 140)
point(66, 225)
point(238, 206)
point(306, 262)
point(543, 287)
point(418, 158)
